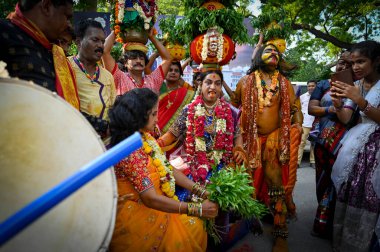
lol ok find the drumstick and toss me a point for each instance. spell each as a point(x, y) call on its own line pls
point(31, 212)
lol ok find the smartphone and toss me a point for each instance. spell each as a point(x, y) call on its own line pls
point(345, 76)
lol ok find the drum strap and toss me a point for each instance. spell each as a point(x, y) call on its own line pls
point(65, 78)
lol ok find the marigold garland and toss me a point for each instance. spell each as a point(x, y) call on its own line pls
point(195, 140)
point(163, 166)
point(265, 99)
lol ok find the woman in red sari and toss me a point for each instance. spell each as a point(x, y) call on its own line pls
point(175, 93)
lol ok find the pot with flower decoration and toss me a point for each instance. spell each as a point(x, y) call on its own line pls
point(132, 19)
point(212, 48)
point(177, 51)
point(275, 28)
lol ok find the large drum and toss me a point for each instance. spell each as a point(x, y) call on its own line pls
point(43, 140)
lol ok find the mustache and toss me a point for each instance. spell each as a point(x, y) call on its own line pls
point(99, 50)
point(138, 64)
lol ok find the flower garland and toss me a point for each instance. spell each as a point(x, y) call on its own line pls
point(119, 15)
point(163, 166)
point(265, 99)
point(146, 14)
point(195, 139)
point(206, 40)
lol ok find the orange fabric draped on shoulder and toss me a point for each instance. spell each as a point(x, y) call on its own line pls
point(140, 228)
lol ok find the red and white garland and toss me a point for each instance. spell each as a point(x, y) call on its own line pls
point(195, 140)
point(146, 13)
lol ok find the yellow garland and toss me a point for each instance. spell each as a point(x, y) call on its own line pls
point(265, 100)
point(163, 167)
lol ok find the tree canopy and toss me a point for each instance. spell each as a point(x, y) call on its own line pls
point(339, 22)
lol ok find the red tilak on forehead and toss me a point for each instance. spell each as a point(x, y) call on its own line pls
point(213, 76)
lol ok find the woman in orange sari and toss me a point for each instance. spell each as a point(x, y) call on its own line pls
point(152, 218)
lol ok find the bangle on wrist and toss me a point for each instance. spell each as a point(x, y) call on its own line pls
point(367, 107)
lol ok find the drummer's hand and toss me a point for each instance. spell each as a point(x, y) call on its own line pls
point(209, 209)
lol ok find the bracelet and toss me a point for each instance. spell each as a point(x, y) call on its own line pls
point(194, 209)
point(367, 107)
point(202, 193)
point(200, 210)
point(198, 190)
point(179, 208)
point(190, 209)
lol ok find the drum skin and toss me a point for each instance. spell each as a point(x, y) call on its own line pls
point(43, 140)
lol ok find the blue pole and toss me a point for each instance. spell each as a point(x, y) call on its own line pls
point(31, 212)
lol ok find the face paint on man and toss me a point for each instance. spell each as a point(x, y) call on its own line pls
point(270, 55)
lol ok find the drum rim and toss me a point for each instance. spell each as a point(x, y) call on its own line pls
point(103, 246)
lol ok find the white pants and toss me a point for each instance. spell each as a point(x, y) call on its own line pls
point(305, 135)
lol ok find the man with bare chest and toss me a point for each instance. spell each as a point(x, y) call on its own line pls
point(270, 112)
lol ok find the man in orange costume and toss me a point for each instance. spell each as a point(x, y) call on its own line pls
point(271, 122)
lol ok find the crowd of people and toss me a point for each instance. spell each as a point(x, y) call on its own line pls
point(263, 126)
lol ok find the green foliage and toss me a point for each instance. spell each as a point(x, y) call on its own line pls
point(170, 7)
point(308, 67)
point(338, 22)
point(6, 7)
point(272, 24)
point(73, 49)
point(117, 51)
point(232, 189)
point(171, 34)
point(198, 20)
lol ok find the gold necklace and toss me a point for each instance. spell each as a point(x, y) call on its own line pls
point(170, 103)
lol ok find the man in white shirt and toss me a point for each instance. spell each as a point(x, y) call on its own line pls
point(307, 123)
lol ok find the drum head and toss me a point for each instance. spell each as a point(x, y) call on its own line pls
point(43, 140)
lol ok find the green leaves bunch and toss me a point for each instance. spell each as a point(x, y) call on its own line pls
point(232, 189)
point(265, 19)
point(198, 20)
point(168, 26)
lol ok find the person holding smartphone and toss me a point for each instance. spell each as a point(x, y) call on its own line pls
point(326, 134)
point(356, 170)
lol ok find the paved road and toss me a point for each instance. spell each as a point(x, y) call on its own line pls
point(300, 239)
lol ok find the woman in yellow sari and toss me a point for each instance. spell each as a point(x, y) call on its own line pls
point(152, 218)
